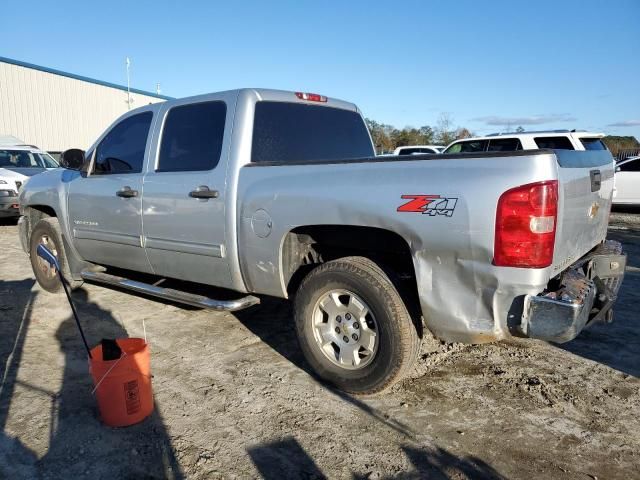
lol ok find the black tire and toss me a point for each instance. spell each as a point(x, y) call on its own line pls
point(397, 339)
point(49, 229)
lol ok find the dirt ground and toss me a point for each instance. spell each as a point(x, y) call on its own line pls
point(234, 398)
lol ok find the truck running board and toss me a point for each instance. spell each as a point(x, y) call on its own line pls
point(170, 294)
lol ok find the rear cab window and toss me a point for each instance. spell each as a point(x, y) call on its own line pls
point(593, 143)
point(554, 143)
point(298, 133)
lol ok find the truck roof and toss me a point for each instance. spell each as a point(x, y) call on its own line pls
point(267, 94)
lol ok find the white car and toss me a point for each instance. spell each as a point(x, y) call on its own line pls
point(17, 164)
point(509, 142)
point(418, 149)
point(627, 185)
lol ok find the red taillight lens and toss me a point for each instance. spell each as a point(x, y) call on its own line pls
point(526, 225)
point(311, 97)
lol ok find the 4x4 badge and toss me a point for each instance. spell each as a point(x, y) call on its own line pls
point(429, 205)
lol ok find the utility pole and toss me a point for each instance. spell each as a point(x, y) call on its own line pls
point(158, 91)
point(128, 62)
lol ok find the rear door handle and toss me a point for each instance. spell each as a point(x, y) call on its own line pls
point(203, 192)
point(126, 192)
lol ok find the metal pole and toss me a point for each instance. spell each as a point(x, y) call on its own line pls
point(75, 314)
point(128, 86)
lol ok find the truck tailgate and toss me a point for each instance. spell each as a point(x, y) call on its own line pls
point(585, 190)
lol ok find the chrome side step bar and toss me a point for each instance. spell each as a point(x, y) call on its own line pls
point(170, 294)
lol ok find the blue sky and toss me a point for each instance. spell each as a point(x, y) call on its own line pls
point(540, 64)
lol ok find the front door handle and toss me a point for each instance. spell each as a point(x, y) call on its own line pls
point(126, 192)
point(203, 192)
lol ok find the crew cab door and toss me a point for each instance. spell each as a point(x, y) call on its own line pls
point(105, 203)
point(185, 190)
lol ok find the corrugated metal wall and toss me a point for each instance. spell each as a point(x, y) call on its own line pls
point(56, 112)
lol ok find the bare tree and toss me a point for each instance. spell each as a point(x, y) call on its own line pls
point(445, 131)
point(463, 133)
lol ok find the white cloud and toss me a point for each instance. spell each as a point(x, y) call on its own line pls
point(626, 123)
point(530, 120)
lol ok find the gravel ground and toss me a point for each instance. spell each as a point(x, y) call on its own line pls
point(234, 398)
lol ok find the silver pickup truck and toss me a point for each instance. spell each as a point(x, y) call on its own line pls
point(273, 193)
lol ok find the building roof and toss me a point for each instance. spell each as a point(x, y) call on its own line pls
point(80, 77)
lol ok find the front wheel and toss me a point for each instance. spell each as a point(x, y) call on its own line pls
point(47, 232)
point(353, 326)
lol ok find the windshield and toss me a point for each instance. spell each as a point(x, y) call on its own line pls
point(26, 159)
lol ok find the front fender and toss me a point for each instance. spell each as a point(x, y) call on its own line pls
point(47, 192)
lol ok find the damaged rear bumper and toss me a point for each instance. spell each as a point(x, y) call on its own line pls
point(584, 294)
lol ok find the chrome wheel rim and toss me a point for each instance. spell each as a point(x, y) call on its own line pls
point(345, 329)
point(49, 271)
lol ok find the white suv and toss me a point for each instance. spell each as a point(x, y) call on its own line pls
point(508, 142)
point(17, 164)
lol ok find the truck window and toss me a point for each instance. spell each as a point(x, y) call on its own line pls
point(555, 143)
point(192, 137)
point(122, 149)
point(592, 143)
point(504, 145)
point(293, 132)
point(470, 146)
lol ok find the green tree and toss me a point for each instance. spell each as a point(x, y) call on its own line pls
point(386, 137)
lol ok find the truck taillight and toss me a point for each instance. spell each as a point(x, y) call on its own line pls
point(526, 225)
point(311, 97)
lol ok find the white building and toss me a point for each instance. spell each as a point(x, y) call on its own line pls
point(57, 110)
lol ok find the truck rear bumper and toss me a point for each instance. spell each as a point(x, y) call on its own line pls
point(584, 295)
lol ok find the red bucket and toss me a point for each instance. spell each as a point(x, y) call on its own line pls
point(123, 386)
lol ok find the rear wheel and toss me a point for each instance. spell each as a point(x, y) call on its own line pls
point(47, 232)
point(353, 326)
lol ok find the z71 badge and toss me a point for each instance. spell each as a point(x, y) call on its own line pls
point(428, 205)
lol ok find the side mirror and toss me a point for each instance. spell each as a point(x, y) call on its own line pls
point(73, 159)
point(618, 169)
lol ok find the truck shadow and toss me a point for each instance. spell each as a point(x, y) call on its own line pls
point(16, 303)
point(617, 345)
point(79, 445)
point(286, 458)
